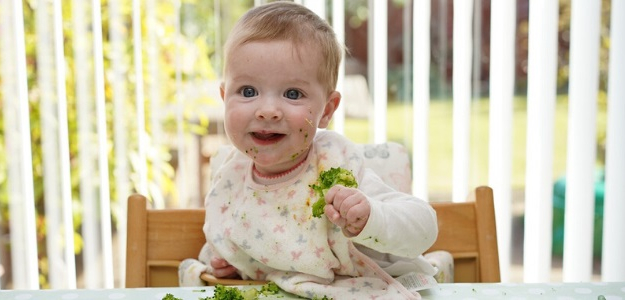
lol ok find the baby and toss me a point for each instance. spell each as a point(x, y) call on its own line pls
point(279, 82)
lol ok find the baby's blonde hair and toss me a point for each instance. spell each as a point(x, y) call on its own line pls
point(287, 21)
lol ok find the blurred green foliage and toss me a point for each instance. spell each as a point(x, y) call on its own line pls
point(196, 45)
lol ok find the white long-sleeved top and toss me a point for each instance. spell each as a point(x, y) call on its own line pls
point(268, 232)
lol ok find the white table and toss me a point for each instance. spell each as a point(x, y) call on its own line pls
point(518, 291)
point(457, 291)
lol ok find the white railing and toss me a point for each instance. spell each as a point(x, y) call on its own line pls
point(581, 149)
point(18, 148)
point(613, 263)
point(541, 101)
point(90, 83)
point(503, 25)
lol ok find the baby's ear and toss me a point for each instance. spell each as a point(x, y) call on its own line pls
point(334, 99)
point(222, 90)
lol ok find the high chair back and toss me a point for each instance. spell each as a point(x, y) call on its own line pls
point(158, 240)
point(468, 231)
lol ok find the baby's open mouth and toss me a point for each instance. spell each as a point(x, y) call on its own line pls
point(267, 137)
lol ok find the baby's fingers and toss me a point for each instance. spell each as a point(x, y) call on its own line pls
point(357, 217)
point(358, 213)
point(331, 212)
point(337, 194)
point(217, 263)
point(334, 216)
point(226, 272)
point(222, 269)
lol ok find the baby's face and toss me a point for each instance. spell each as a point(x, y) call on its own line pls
point(274, 102)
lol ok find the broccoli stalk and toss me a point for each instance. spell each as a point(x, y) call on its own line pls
point(326, 180)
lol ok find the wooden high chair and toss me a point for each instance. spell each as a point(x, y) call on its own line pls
point(468, 231)
point(158, 240)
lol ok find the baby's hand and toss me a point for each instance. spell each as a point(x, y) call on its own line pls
point(347, 208)
point(222, 269)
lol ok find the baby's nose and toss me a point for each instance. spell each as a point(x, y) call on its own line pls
point(269, 110)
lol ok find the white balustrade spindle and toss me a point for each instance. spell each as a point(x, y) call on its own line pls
point(338, 24)
point(156, 136)
point(612, 259)
point(139, 99)
point(463, 12)
point(105, 198)
point(5, 71)
point(57, 189)
point(181, 180)
point(18, 149)
point(50, 157)
point(582, 138)
point(64, 152)
point(541, 97)
point(378, 66)
point(117, 79)
point(421, 96)
point(502, 68)
point(87, 153)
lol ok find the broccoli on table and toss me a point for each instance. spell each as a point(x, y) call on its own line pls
point(328, 179)
point(170, 297)
point(228, 293)
point(234, 293)
point(269, 288)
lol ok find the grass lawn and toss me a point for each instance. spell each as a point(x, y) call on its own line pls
point(399, 129)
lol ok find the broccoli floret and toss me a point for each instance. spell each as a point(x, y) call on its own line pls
point(249, 294)
point(170, 297)
point(326, 180)
point(226, 293)
point(269, 288)
point(233, 293)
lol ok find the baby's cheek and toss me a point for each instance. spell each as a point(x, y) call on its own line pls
point(304, 134)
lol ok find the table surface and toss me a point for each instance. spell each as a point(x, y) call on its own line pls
point(559, 291)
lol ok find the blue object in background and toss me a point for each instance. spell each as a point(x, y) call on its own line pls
point(559, 203)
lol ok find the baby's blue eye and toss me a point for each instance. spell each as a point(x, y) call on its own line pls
point(293, 94)
point(248, 92)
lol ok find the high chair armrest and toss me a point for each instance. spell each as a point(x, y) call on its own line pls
point(212, 280)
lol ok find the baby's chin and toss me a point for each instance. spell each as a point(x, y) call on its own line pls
point(271, 159)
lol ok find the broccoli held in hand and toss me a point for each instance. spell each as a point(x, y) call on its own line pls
point(326, 180)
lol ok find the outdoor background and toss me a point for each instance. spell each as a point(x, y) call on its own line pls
point(183, 61)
